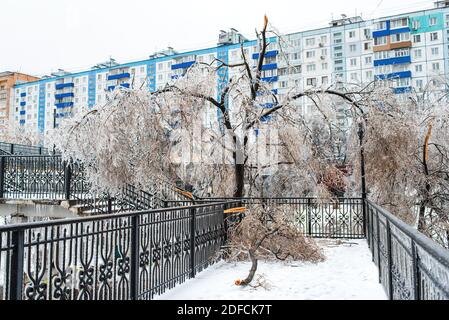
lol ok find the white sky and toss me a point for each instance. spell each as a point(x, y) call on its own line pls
point(40, 36)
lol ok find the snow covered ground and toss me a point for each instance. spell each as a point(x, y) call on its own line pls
point(347, 274)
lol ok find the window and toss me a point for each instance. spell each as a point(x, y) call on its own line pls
point(351, 34)
point(160, 66)
point(418, 53)
point(432, 21)
point(416, 24)
point(353, 62)
point(418, 68)
point(380, 55)
point(382, 25)
point(367, 46)
point(99, 77)
point(399, 23)
point(354, 76)
point(402, 52)
point(368, 60)
point(310, 42)
point(399, 37)
point(324, 52)
point(325, 80)
point(310, 54)
point(419, 84)
point(282, 84)
point(417, 38)
point(434, 36)
point(311, 67)
point(311, 81)
point(296, 56)
point(324, 66)
point(142, 69)
point(380, 41)
point(435, 51)
point(282, 72)
point(352, 48)
point(369, 75)
point(323, 39)
point(436, 66)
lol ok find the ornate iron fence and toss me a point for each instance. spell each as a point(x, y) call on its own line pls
point(125, 256)
point(341, 218)
point(18, 149)
point(411, 266)
point(50, 178)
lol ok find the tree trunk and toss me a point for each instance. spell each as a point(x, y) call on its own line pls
point(422, 218)
point(239, 180)
point(253, 270)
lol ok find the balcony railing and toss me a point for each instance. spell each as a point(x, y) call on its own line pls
point(61, 86)
point(124, 75)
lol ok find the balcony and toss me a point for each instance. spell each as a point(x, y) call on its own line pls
point(22, 113)
point(268, 54)
point(23, 94)
point(23, 103)
point(270, 79)
point(123, 85)
point(266, 93)
point(400, 90)
point(64, 85)
point(397, 60)
point(64, 95)
point(267, 105)
point(271, 66)
point(124, 75)
point(183, 65)
point(64, 105)
point(394, 75)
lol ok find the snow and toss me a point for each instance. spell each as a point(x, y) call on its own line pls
point(347, 274)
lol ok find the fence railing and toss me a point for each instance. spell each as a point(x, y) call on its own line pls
point(126, 256)
point(341, 218)
point(51, 178)
point(19, 149)
point(411, 265)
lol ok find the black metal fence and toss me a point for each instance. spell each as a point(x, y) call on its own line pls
point(341, 218)
point(19, 149)
point(51, 178)
point(411, 266)
point(125, 256)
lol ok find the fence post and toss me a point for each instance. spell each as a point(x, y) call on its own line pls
point(390, 262)
point(134, 266)
point(416, 277)
point(109, 205)
point(67, 180)
point(309, 218)
point(17, 256)
point(192, 241)
point(226, 206)
point(12, 148)
point(2, 177)
point(378, 247)
point(40, 150)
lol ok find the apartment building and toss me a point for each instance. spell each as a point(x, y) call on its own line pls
point(410, 49)
point(7, 81)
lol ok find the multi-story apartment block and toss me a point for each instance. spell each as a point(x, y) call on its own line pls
point(7, 81)
point(410, 49)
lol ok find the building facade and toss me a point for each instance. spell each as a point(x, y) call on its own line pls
point(7, 81)
point(410, 49)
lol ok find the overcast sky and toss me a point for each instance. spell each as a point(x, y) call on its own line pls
point(40, 36)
